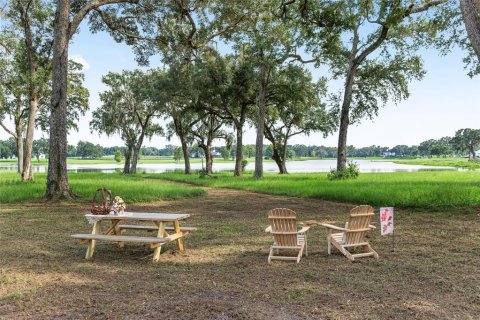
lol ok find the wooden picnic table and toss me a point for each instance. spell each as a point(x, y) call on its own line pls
point(159, 224)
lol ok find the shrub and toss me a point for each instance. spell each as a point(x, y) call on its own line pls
point(204, 174)
point(350, 172)
point(244, 165)
point(118, 156)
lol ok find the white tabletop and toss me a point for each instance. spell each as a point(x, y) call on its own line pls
point(143, 216)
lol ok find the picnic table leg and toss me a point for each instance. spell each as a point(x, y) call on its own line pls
point(161, 231)
point(117, 231)
point(179, 240)
point(91, 243)
point(329, 241)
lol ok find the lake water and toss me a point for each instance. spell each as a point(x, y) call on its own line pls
point(292, 166)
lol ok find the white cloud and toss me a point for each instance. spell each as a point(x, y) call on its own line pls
point(79, 59)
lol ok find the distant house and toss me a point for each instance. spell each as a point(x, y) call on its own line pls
point(388, 154)
point(477, 153)
point(197, 154)
point(215, 153)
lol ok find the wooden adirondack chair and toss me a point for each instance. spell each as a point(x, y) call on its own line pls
point(283, 227)
point(353, 235)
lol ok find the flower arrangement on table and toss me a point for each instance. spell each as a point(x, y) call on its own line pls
point(119, 205)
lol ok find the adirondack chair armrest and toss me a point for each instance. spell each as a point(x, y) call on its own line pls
point(330, 226)
point(303, 230)
point(269, 229)
point(371, 226)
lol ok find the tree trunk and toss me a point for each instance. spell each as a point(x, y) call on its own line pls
point(133, 165)
point(208, 158)
point(57, 181)
point(471, 16)
point(128, 157)
point(284, 156)
point(261, 120)
point(186, 155)
point(19, 140)
point(27, 173)
point(345, 120)
point(239, 153)
point(282, 169)
point(177, 121)
point(136, 153)
point(278, 159)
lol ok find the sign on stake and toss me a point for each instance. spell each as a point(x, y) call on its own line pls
point(386, 224)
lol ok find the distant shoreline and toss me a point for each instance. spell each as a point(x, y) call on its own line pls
point(443, 162)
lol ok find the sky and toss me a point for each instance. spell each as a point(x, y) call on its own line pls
point(444, 101)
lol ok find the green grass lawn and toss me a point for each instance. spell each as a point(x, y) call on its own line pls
point(427, 190)
point(132, 189)
point(449, 162)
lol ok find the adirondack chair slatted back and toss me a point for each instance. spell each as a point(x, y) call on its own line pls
point(284, 226)
point(358, 224)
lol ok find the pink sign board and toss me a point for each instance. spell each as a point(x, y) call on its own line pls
point(386, 221)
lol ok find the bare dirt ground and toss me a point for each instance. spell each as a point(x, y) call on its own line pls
point(433, 273)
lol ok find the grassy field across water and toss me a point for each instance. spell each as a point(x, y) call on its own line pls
point(135, 188)
point(448, 162)
point(426, 189)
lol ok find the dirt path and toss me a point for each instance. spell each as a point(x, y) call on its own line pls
point(220, 201)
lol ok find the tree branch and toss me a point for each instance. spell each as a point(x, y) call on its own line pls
point(284, 6)
point(73, 26)
point(112, 27)
point(425, 7)
point(186, 13)
point(295, 133)
point(8, 130)
point(222, 31)
point(6, 48)
point(296, 57)
point(373, 46)
point(385, 28)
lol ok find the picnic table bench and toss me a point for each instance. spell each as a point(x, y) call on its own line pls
point(165, 234)
point(153, 228)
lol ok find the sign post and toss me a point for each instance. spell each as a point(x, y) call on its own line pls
point(386, 224)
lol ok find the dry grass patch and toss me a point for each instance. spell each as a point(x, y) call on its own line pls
point(433, 272)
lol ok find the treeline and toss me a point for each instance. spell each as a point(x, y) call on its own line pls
point(9, 149)
point(465, 142)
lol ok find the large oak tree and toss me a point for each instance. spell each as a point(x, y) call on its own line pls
point(68, 17)
point(293, 108)
point(29, 26)
point(376, 55)
point(129, 108)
